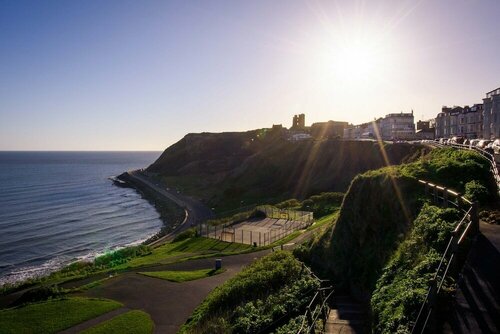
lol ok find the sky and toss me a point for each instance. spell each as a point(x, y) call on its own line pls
point(139, 75)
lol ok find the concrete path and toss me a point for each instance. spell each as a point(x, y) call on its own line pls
point(476, 307)
point(347, 317)
point(170, 304)
point(196, 212)
point(92, 322)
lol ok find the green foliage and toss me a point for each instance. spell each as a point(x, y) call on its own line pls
point(450, 167)
point(403, 285)
point(189, 233)
point(323, 204)
point(41, 293)
point(475, 191)
point(183, 276)
point(293, 326)
point(53, 316)
point(132, 322)
point(265, 291)
point(120, 256)
point(378, 210)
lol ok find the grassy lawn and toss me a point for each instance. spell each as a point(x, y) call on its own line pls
point(183, 276)
point(133, 322)
point(53, 316)
point(185, 249)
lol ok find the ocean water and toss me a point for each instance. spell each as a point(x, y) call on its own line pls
point(58, 207)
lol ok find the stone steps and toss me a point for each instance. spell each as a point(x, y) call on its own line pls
point(346, 317)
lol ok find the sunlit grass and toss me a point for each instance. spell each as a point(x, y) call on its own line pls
point(183, 276)
point(53, 316)
point(133, 322)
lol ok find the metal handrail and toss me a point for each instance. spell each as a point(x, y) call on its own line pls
point(469, 219)
point(315, 313)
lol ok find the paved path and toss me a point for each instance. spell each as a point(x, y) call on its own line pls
point(196, 212)
point(170, 304)
point(92, 322)
point(476, 307)
point(347, 317)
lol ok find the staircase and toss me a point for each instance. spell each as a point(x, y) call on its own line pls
point(476, 306)
point(346, 317)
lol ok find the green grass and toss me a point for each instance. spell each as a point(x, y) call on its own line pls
point(183, 276)
point(186, 249)
point(53, 316)
point(133, 322)
point(323, 221)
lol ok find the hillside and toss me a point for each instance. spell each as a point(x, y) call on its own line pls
point(382, 232)
point(226, 169)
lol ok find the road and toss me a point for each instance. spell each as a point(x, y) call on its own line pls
point(196, 212)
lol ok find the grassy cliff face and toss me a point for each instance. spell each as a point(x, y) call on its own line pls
point(377, 214)
point(258, 166)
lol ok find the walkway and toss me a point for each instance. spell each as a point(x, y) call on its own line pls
point(476, 307)
point(347, 317)
point(170, 304)
point(196, 212)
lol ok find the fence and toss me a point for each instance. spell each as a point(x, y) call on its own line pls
point(487, 155)
point(244, 234)
point(455, 251)
point(274, 212)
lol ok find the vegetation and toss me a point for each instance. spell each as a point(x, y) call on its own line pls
point(377, 215)
point(132, 322)
point(475, 191)
point(187, 249)
point(260, 298)
point(54, 315)
point(403, 285)
point(183, 276)
point(258, 167)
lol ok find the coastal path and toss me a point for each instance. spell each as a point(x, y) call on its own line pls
point(196, 212)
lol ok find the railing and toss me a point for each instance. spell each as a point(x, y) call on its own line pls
point(490, 157)
point(317, 307)
point(467, 227)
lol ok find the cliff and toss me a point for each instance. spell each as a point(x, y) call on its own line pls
point(228, 168)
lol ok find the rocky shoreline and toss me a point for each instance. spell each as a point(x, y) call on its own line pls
point(171, 214)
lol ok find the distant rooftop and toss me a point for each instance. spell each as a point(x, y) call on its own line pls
point(493, 92)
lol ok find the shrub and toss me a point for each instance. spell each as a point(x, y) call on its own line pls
point(475, 191)
point(189, 233)
point(273, 287)
point(403, 285)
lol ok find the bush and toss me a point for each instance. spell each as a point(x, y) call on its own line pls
point(475, 191)
point(272, 288)
point(189, 233)
point(402, 288)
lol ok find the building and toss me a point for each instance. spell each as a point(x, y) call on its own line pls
point(425, 130)
point(299, 122)
point(464, 122)
point(392, 126)
point(330, 129)
point(491, 114)
point(423, 125)
point(398, 126)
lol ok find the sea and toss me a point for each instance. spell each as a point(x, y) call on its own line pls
point(61, 207)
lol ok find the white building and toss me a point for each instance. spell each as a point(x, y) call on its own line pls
point(398, 126)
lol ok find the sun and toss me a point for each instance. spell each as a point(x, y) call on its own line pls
point(354, 61)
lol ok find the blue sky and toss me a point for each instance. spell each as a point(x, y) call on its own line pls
point(139, 75)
